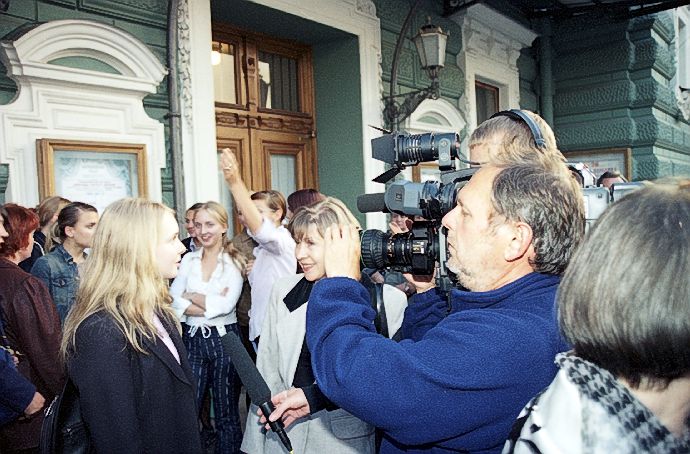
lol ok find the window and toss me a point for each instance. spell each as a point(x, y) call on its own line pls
point(486, 97)
point(224, 62)
point(278, 82)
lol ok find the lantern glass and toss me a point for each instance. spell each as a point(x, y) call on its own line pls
point(431, 46)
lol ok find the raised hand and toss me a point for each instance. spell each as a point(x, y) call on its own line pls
point(229, 165)
point(342, 251)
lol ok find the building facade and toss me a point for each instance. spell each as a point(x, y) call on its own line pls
point(294, 86)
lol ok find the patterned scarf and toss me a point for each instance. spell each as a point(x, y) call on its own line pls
point(613, 420)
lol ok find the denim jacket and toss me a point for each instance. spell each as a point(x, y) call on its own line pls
point(60, 274)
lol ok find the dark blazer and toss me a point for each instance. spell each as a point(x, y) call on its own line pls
point(37, 251)
point(33, 331)
point(134, 402)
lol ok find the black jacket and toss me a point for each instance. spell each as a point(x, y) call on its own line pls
point(134, 402)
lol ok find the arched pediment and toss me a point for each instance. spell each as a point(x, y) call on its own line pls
point(31, 56)
point(436, 115)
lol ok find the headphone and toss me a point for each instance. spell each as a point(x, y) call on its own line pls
point(520, 116)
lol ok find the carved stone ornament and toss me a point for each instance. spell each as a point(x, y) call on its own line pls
point(490, 34)
point(184, 59)
point(683, 97)
point(366, 7)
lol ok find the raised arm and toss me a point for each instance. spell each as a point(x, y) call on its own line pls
point(243, 202)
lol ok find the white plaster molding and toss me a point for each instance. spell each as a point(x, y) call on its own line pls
point(491, 46)
point(200, 160)
point(682, 49)
point(683, 102)
point(59, 102)
point(449, 118)
point(28, 58)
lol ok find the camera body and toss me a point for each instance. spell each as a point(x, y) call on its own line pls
point(419, 250)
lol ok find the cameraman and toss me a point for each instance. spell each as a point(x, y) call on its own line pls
point(460, 386)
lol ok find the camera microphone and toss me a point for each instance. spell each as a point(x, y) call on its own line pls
point(256, 386)
point(372, 203)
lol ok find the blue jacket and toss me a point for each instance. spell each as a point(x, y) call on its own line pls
point(16, 391)
point(60, 274)
point(458, 382)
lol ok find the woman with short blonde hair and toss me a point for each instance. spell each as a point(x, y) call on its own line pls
point(121, 340)
point(284, 359)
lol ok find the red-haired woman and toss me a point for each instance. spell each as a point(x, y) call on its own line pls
point(31, 324)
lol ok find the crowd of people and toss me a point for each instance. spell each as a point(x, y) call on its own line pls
point(553, 339)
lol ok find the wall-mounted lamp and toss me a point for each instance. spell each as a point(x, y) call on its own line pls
point(431, 47)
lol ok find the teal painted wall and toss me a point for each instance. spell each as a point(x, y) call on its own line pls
point(528, 69)
point(4, 176)
point(613, 89)
point(339, 120)
point(144, 19)
point(411, 76)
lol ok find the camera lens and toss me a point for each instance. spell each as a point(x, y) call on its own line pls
point(410, 252)
point(373, 244)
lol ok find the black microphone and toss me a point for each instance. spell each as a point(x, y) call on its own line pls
point(254, 383)
point(372, 203)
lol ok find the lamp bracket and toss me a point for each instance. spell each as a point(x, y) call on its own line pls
point(396, 112)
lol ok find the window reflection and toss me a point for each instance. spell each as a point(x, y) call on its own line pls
point(224, 78)
point(278, 82)
point(486, 101)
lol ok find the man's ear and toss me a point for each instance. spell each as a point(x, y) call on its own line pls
point(520, 244)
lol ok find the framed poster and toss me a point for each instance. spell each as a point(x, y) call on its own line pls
point(97, 173)
point(607, 159)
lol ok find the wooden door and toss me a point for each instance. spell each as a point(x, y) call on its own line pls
point(265, 108)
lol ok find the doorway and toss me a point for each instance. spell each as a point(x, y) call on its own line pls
point(264, 104)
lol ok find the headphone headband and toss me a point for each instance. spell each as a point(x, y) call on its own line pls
point(521, 116)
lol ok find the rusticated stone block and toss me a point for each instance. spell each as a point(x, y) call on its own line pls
point(617, 132)
point(617, 94)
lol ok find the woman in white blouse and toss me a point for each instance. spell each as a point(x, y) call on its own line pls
point(205, 293)
point(262, 213)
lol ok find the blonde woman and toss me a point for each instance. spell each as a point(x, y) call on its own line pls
point(205, 295)
point(121, 340)
point(283, 359)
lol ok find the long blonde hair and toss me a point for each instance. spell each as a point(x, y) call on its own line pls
point(121, 275)
point(220, 214)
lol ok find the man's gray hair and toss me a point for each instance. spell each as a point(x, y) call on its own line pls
point(547, 199)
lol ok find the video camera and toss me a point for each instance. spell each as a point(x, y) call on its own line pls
point(598, 198)
point(424, 245)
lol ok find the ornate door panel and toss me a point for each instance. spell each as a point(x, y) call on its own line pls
point(265, 108)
